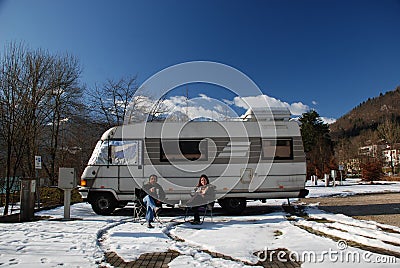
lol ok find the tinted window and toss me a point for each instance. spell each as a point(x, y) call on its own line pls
point(176, 150)
point(277, 148)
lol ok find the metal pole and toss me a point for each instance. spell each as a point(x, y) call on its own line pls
point(67, 204)
point(37, 188)
point(391, 161)
point(326, 177)
point(341, 178)
point(27, 194)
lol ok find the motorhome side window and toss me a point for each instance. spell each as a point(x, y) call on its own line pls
point(116, 152)
point(183, 150)
point(279, 149)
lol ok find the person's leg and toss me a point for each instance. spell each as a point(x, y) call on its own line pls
point(196, 214)
point(150, 206)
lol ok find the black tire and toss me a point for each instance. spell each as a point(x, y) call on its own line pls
point(234, 206)
point(103, 204)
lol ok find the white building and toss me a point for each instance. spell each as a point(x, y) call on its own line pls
point(391, 157)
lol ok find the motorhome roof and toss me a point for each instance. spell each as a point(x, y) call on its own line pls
point(267, 114)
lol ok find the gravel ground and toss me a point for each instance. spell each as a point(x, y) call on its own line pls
point(383, 208)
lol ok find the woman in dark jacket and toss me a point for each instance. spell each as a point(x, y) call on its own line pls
point(202, 196)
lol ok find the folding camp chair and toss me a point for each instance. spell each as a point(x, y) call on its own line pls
point(139, 211)
point(207, 208)
point(203, 210)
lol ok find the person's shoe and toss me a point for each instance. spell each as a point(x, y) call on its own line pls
point(149, 225)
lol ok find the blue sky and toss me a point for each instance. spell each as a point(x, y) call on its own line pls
point(328, 55)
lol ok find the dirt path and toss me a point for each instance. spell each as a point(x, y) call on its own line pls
point(382, 208)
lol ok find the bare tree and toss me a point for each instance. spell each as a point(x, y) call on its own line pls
point(389, 130)
point(111, 101)
point(63, 101)
point(24, 82)
point(11, 96)
point(37, 84)
point(122, 102)
point(37, 91)
point(157, 110)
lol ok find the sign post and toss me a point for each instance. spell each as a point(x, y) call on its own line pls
point(334, 175)
point(38, 162)
point(38, 165)
point(67, 182)
point(326, 177)
point(340, 170)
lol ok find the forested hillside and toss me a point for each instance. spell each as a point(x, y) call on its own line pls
point(360, 126)
point(368, 115)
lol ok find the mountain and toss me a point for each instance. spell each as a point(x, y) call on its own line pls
point(367, 116)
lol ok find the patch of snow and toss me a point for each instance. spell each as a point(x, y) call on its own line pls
point(83, 242)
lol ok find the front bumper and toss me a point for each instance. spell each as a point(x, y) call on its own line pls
point(84, 193)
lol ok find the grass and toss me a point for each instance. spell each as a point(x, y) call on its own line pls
point(52, 196)
point(278, 233)
point(390, 178)
point(322, 220)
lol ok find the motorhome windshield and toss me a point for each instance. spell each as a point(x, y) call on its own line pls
point(116, 152)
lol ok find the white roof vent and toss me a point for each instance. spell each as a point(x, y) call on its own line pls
point(265, 114)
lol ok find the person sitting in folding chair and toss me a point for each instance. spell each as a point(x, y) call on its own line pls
point(155, 193)
point(203, 194)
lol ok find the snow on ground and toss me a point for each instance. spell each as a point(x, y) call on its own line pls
point(82, 242)
point(351, 187)
point(242, 244)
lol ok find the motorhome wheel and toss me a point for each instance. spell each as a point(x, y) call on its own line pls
point(234, 206)
point(103, 204)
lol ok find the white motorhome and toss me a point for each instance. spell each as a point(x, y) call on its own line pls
point(258, 157)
